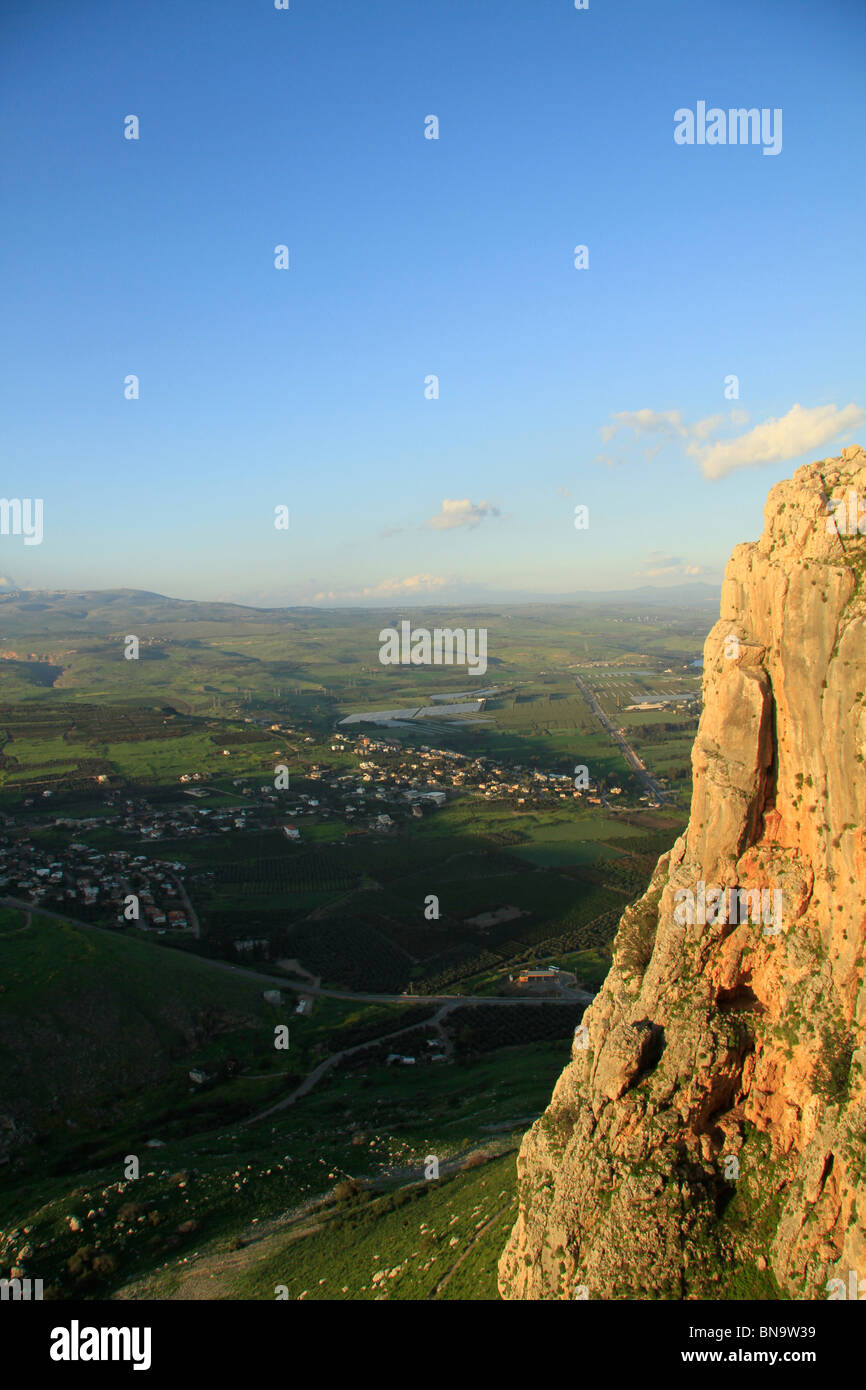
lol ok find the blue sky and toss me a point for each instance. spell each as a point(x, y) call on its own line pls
point(410, 257)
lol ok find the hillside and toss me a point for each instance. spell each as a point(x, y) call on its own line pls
point(90, 1021)
point(239, 1187)
point(422, 1240)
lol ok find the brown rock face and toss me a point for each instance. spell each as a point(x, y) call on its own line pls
point(710, 1141)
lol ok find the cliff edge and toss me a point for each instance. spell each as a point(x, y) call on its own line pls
point(708, 1138)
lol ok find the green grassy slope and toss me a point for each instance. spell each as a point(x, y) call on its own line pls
point(88, 1017)
point(431, 1240)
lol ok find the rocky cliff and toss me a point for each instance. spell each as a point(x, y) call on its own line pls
point(708, 1138)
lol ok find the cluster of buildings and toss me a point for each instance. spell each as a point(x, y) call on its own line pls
point(102, 880)
point(146, 821)
point(423, 776)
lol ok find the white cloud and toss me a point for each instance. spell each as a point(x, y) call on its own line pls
point(460, 512)
point(390, 588)
point(658, 565)
point(664, 424)
point(702, 429)
point(801, 431)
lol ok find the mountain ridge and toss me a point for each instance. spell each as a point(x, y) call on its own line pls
point(93, 602)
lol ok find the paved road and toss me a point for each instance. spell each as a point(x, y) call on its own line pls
point(318, 1072)
point(576, 996)
point(625, 748)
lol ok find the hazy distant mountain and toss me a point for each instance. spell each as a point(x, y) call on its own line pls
point(118, 606)
point(696, 594)
point(114, 607)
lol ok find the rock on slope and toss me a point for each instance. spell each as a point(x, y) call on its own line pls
point(714, 1127)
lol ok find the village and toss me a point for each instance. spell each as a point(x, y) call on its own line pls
point(96, 885)
point(390, 785)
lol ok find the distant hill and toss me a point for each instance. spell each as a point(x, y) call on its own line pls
point(109, 609)
point(689, 595)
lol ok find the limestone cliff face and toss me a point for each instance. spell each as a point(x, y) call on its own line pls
point(710, 1140)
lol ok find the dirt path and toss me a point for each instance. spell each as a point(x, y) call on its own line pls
point(17, 931)
point(192, 915)
point(446, 1278)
